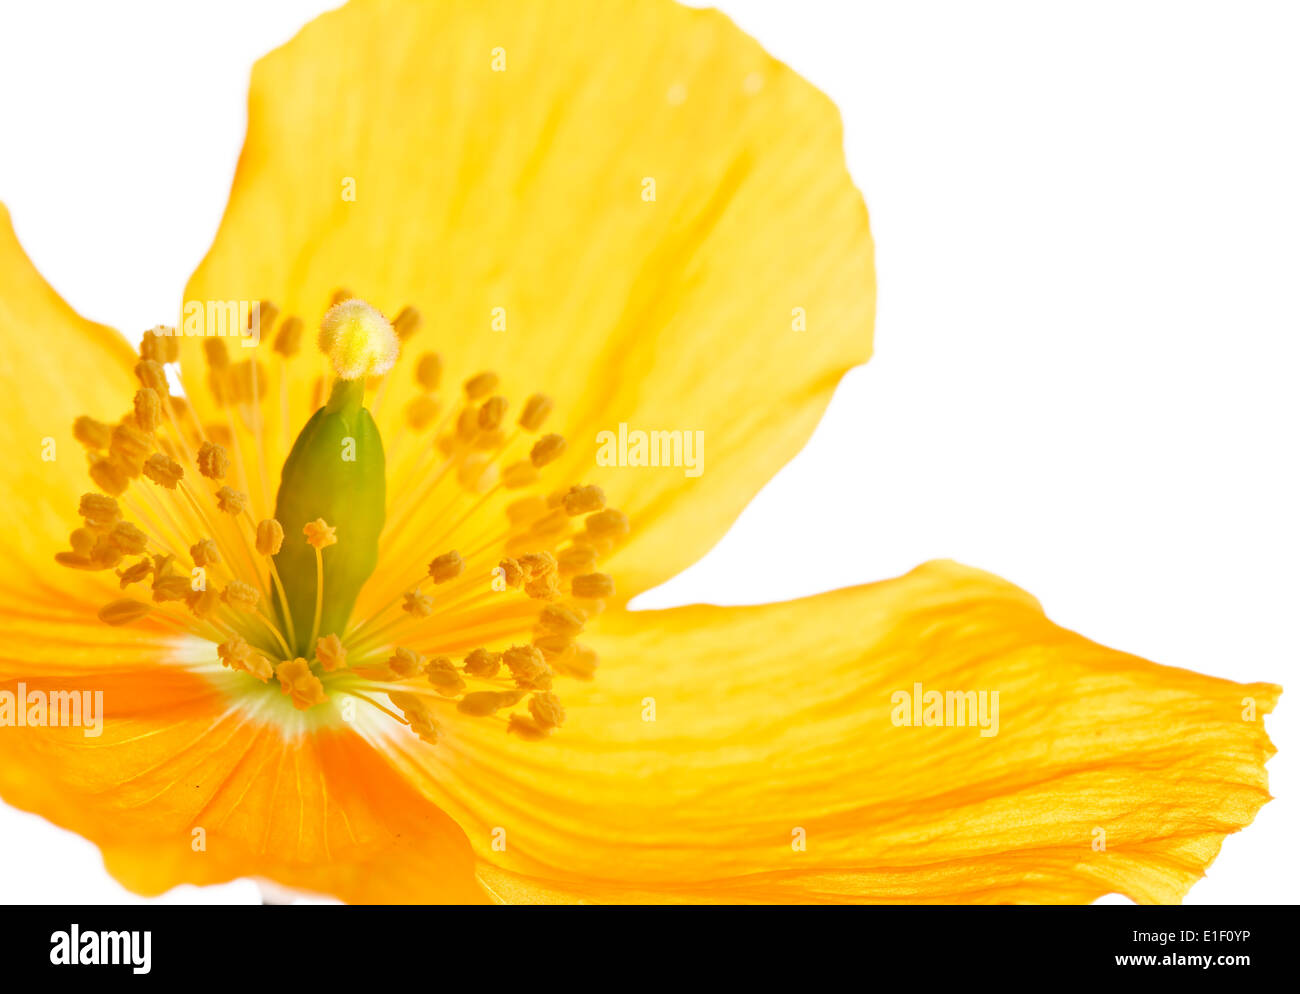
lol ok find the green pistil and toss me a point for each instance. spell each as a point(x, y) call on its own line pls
point(335, 471)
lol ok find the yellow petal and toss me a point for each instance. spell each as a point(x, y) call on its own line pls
point(775, 722)
point(179, 787)
point(523, 189)
point(55, 366)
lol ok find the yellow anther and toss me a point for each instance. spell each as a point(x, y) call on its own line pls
point(582, 663)
point(152, 375)
point(583, 500)
point(467, 424)
point(421, 411)
point(405, 663)
point(148, 409)
point(270, 536)
point(526, 728)
point(299, 682)
point(319, 534)
point(483, 664)
point(91, 433)
point(82, 541)
point(537, 564)
point(123, 612)
point(526, 510)
point(358, 340)
point(240, 595)
point(214, 350)
point(442, 674)
point(407, 323)
point(576, 559)
point(128, 539)
point(136, 573)
point(130, 447)
point(109, 477)
point(519, 474)
point(553, 647)
point(491, 414)
point(204, 552)
point(74, 560)
point(204, 602)
point(593, 586)
point(417, 712)
point(543, 588)
point(160, 344)
point(330, 653)
point(264, 317)
point(101, 513)
point(536, 410)
point(163, 470)
point(213, 461)
point(446, 567)
point(561, 620)
point(106, 553)
point(481, 385)
point(482, 703)
point(546, 710)
point(512, 574)
point(416, 604)
point(490, 440)
point(547, 449)
point(239, 655)
point(528, 667)
point(428, 371)
point(609, 523)
point(231, 501)
point(288, 340)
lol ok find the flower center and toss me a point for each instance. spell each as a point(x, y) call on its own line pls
point(473, 583)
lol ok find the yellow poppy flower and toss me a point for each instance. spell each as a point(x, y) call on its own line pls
point(345, 610)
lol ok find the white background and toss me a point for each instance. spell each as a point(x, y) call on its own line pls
point(1088, 225)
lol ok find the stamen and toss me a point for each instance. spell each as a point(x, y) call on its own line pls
point(483, 664)
point(546, 710)
point(446, 567)
point(123, 612)
point(330, 653)
point(547, 449)
point(528, 667)
point(593, 586)
point(428, 371)
point(417, 604)
point(444, 677)
point(270, 536)
point(319, 534)
point(300, 683)
point(477, 387)
point(231, 501)
point(537, 409)
point(213, 461)
point(405, 663)
point(204, 552)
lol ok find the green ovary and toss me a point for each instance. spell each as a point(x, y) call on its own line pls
point(335, 471)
